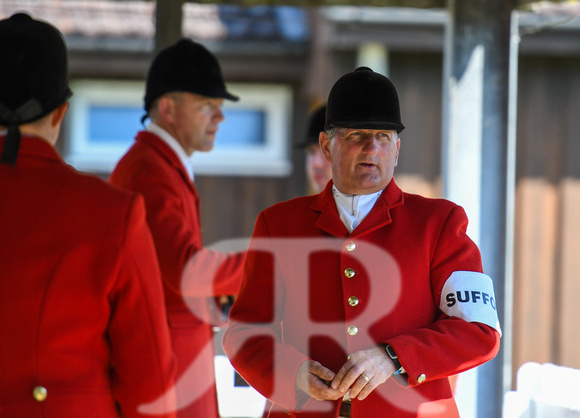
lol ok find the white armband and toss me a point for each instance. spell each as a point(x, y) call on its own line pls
point(469, 295)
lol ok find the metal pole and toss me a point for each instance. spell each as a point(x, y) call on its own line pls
point(477, 157)
point(168, 22)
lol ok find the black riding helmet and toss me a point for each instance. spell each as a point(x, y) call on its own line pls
point(363, 99)
point(33, 75)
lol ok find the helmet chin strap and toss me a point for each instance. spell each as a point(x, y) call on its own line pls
point(10, 150)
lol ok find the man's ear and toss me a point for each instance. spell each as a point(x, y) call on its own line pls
point(324, 141)
point(166, 108)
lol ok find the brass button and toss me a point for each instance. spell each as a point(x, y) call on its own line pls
point(421, 378)
point(353, 301)
point(39, 393)
point(352, 330)
point(350, 246)
point(349, 273)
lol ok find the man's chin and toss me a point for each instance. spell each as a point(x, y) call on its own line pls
point(207, 147)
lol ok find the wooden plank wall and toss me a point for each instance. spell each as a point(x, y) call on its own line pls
point(547, 257)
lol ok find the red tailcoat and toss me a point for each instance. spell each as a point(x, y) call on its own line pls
point(81, 306)
point(297, 302)
point(152, 169)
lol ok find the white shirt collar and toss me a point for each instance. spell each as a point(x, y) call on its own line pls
point(174, 145)
point(353, 208)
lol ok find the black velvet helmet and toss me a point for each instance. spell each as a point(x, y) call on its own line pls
point(363, 99)
point(33, 75)
point(185, 66)
point(315, 126)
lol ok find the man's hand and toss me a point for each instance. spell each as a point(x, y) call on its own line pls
point(363, 372)
point(313, 379)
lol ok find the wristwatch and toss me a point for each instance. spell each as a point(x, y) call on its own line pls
point(393, 356)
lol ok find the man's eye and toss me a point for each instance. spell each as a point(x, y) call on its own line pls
point(214, 104)
point(386, 136)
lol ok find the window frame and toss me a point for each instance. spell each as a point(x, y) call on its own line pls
point(271, 159)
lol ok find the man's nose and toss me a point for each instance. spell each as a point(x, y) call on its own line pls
point(219, 114)
point(370, 144)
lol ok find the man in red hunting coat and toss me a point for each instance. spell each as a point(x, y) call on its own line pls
point(362, 300)
point(83, 329)
point(184, 95)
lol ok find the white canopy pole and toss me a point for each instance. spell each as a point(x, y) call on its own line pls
point(478, 159)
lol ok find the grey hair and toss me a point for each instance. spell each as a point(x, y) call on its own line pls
point(331, 132)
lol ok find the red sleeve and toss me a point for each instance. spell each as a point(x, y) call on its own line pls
point(252, 340)
point(450, 345)
point(143, 364)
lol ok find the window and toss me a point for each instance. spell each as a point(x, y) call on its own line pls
point(253, 140)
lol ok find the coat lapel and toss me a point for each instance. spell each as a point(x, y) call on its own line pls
point(328, 221)
point(380, 215)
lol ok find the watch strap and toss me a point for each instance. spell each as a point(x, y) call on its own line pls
point(395, 359)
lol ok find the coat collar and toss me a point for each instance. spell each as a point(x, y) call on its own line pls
point(379, 216)
point(35, 147)
point(166, 153)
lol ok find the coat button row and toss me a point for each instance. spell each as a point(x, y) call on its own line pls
point(352, 330)
point(353, 301)
point(39, 393)
point(349, 273)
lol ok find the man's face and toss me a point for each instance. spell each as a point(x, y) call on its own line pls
point(363, 160)
point(318, 169)
point(195, 121)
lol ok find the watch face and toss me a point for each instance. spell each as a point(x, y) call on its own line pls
point(391, 352)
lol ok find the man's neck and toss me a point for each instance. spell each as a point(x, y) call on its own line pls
point(174, 145)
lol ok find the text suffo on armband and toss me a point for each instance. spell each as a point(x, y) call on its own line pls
point(469, 295)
